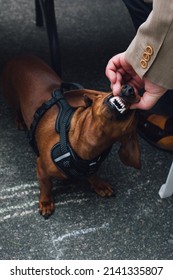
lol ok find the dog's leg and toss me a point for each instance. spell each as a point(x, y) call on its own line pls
point(100, 186)
point(20, 123)
point(46, 203)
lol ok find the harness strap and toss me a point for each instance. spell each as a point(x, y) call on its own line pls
point(62, 124)
point(72, 165)
point(62, 153)
point(37, 116)
point(46, 106)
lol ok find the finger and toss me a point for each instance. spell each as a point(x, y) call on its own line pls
point(112, 68)
point(116, 87)
point(147, 101)
point(111, 72)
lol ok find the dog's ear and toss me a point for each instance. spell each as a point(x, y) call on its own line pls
point(82, 97)
point(88, 100)
point(129, 151)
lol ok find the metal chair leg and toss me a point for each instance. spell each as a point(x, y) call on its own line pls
point(45, 9)
point(38, 12)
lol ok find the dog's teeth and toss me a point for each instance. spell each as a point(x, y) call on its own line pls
point(118, 100)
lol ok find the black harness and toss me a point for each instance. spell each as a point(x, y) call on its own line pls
point(62, 153)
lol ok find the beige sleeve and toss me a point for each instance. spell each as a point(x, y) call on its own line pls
point(151, 51)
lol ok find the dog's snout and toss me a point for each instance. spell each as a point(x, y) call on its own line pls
point(128, 94)
point(127, 91)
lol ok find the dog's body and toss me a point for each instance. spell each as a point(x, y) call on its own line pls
point(28, 83)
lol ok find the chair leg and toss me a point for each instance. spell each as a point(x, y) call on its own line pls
point(38, 11)
point(48, 12)
point(166, 189)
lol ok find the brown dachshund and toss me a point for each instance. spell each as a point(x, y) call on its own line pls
point(70, 130)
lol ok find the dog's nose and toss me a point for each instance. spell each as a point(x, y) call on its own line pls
point(127, 93)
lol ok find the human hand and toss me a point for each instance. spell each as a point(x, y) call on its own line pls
point(120, 72)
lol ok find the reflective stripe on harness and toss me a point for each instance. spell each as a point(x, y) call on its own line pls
point(72, 165)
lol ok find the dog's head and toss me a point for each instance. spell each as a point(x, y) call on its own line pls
point(116, 121)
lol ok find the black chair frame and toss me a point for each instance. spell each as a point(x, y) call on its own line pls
point(45, 14)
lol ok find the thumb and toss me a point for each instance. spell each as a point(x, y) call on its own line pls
point(147, 101)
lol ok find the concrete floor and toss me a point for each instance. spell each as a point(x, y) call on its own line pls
point(136, 224)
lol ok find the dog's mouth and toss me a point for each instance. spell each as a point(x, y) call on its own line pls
point(116, 102)
point(122, 102)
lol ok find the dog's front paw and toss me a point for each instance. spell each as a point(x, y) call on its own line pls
point(46, 208)
point(101, 187)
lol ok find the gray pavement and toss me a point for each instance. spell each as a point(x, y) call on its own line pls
point(136, 224)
